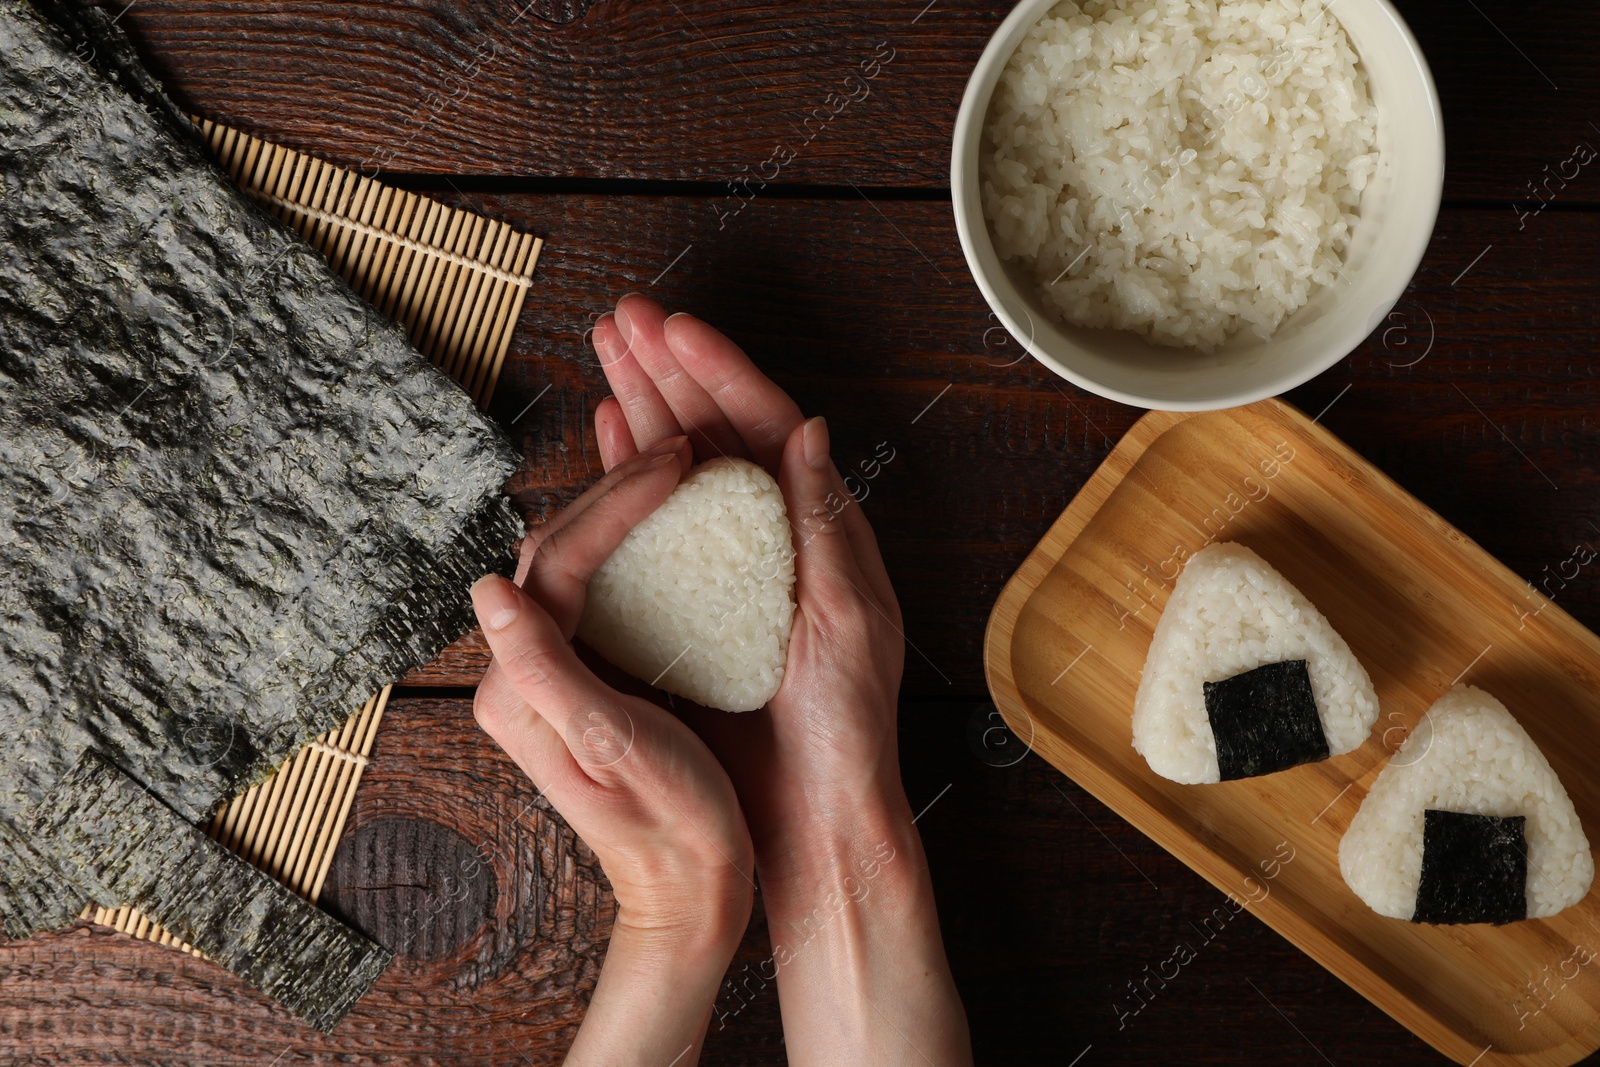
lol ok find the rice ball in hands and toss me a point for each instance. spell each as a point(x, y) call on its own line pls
point(699, 597)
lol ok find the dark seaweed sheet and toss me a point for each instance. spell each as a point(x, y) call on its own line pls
point(1265, 720)
point(235, 500)
point(1474, 868)
point(34, 892)
point(127, 847)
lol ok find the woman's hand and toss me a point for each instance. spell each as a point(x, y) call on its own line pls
point(631, 779)
point(856, 950)
point(831, 735)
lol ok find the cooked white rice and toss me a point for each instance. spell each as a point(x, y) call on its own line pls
point(1230, 612)
point(699, 597)
point(1467, 754)
point(1179, 168)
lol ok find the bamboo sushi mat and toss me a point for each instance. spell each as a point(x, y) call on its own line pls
point(457, 281)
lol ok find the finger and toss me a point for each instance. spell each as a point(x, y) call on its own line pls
point(869, 559)
point(640, 320)
point(541, 667)
point(567, 558)
point(649, 417)
point(610, 744)
point(531, 742)
point(525, 555)
point(762, 414)
point(538, 535)
point(825, 569)
point(612, 434)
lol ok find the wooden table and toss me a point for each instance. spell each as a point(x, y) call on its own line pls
point(623, 133)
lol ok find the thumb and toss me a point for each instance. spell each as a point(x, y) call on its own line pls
point(826, 573)
point(579, 540)
point(536, 663)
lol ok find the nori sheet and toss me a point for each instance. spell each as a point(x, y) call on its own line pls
point(1265, 720)
point(1474, 868)
point(128, 847)
point(34, 890)
point(236, 501)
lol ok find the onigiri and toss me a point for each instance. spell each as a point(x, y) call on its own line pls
point(699, 597)
point(1467, 823)
point(1245, 677)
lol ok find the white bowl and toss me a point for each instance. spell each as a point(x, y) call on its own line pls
point(1398, 209)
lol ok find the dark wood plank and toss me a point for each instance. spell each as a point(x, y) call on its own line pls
point(1051, 906)
point(498, 912)
point(708, 90)
point(1480, 394)
point(866, 313)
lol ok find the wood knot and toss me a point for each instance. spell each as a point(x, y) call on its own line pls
point(418, 888)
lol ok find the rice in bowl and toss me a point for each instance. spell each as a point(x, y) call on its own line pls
point(1179, 169)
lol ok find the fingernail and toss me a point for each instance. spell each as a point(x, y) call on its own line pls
point(601, 336)
point(495, 601)
point(814, 438)
point(659, 461)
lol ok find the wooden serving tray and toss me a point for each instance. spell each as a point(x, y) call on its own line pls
point(1421, 605)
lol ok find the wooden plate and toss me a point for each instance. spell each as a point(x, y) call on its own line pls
point(1421, 605)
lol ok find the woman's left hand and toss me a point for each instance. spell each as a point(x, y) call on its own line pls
point(631, 779)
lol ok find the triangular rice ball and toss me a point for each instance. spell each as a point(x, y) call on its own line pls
point(1229, 614)
point(1466, 755)
point(698, 599)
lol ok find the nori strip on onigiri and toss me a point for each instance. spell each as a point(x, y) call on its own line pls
point(1474, 869)
point(237, 501)
point(1265, 720)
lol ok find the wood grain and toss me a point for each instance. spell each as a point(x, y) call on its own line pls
point(1422, 608)
point(394, 874)
point(863, 329)
point(704, 90)
point(1042, 894)
point(503, 933)
point(1053, 907)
